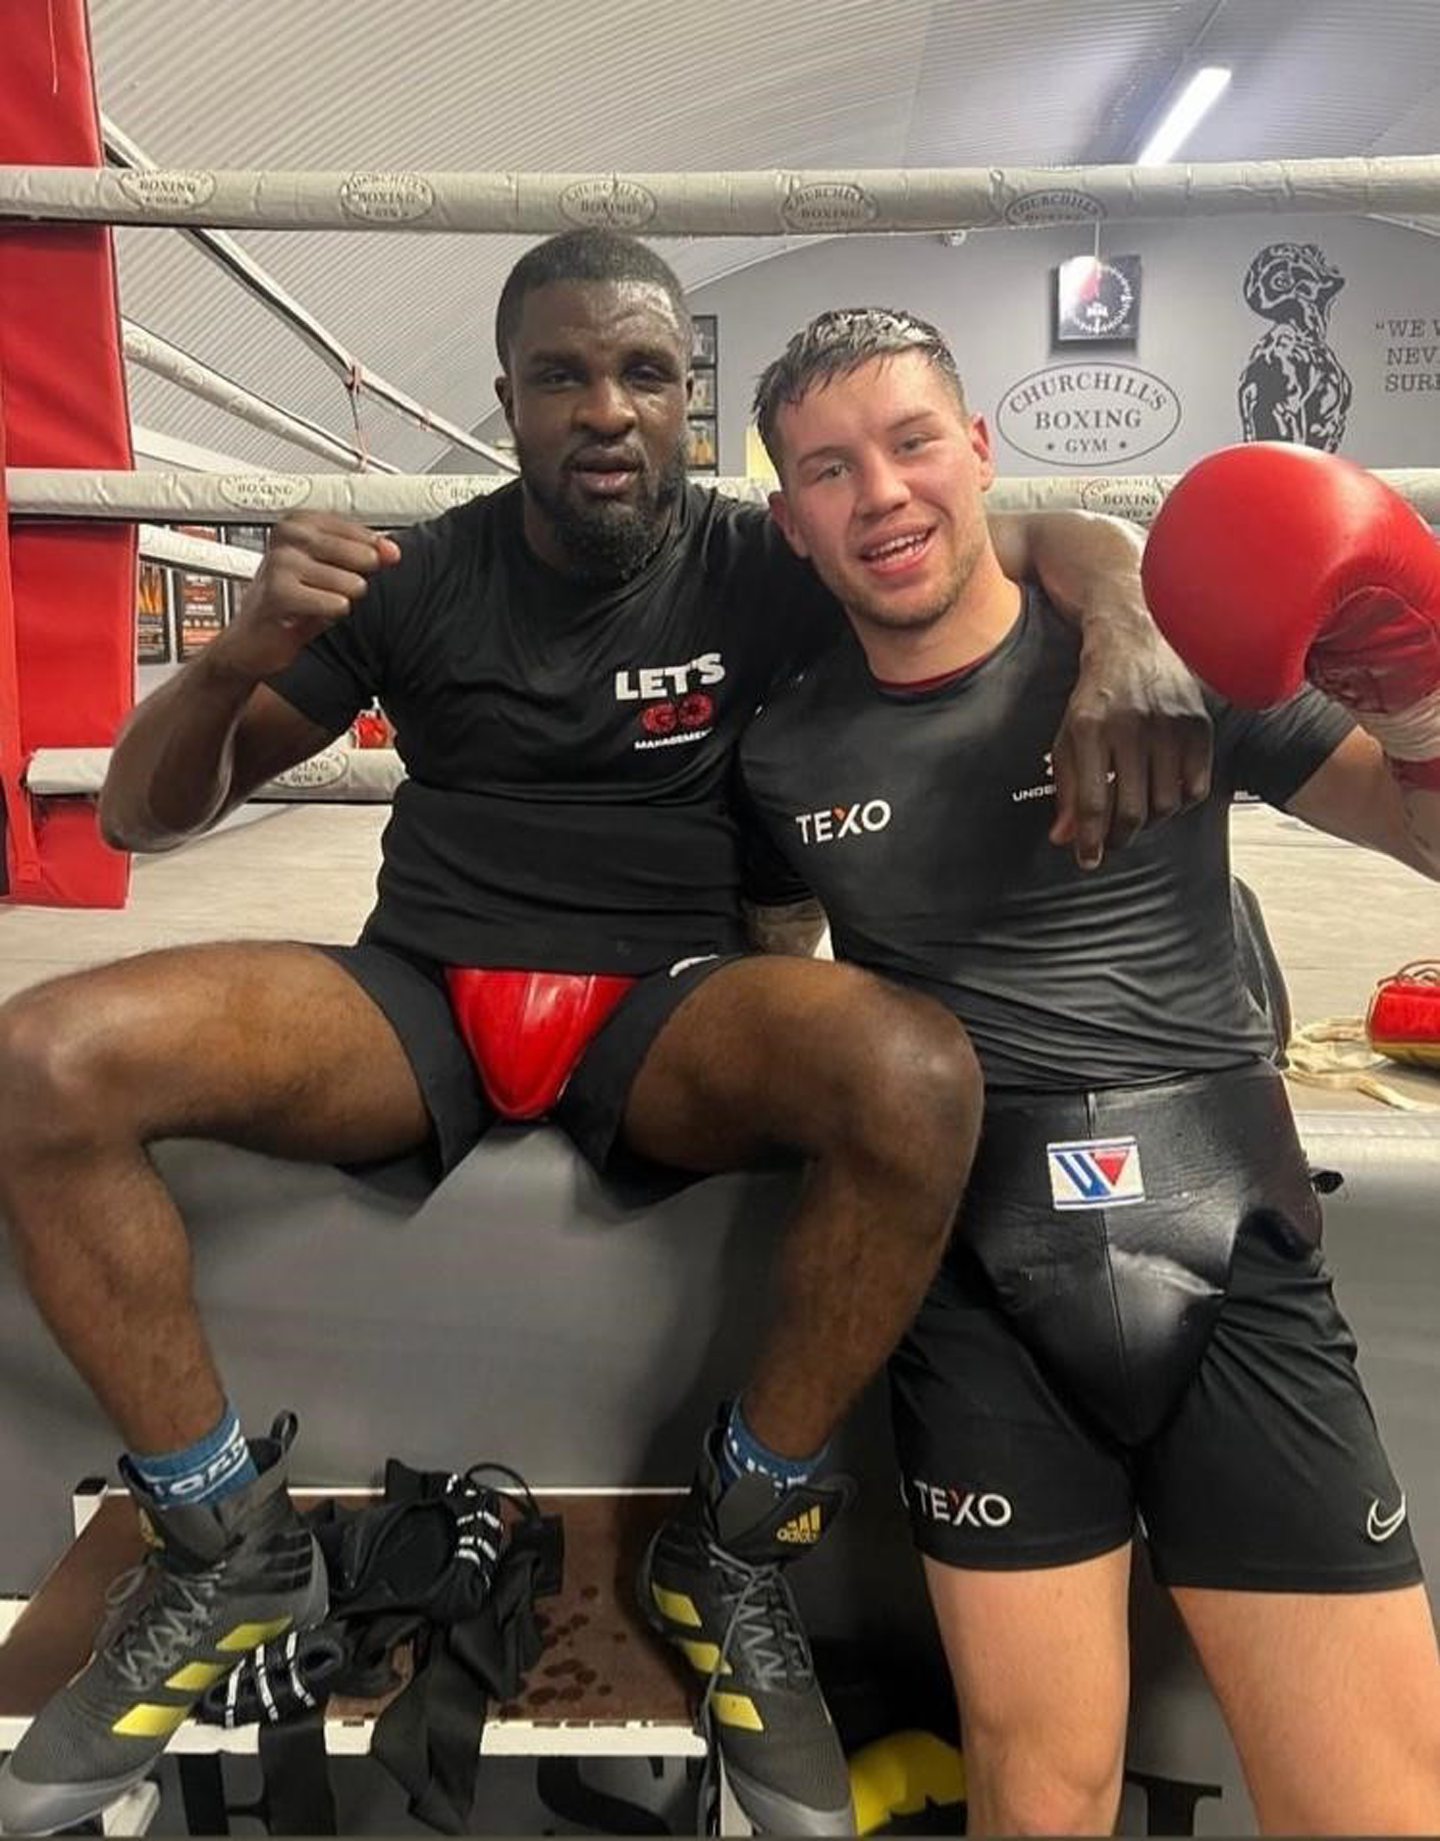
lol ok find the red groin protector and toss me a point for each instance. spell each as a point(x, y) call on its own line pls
point(527, 1030)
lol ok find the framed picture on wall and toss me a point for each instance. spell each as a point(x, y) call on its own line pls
point(201, 602)
point(702, 396)
point(252, 537)
point(706, 341)
point(703, 455)
point(1097, 300)
point(154, 639)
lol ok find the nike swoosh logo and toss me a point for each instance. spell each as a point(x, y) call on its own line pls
point(683, 965)
point(1380, 1527)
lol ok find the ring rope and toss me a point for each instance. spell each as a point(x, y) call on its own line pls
point(406, 498)
point(808, 203)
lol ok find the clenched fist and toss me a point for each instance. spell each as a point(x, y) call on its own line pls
point(317, 566)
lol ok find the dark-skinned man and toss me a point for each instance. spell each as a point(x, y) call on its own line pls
point(568, 663)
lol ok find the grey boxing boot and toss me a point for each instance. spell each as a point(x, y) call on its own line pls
point(218, 1578)
point(712, 1584)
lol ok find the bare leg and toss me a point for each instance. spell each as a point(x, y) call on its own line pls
point(1334, 1704)
point(880, 1090)
point(1041, 1664)
point(272, 1047)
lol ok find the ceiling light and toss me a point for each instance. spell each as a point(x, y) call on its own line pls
point(1199, 94)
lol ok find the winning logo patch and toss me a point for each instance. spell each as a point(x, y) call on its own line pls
point(1095, 1173)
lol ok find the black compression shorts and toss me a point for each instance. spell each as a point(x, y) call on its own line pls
point(1260, 1466)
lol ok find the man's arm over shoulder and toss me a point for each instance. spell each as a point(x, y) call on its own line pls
point(1084, 561)
point(1135, 742)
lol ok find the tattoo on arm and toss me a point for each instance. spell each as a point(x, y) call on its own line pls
point(796, 928)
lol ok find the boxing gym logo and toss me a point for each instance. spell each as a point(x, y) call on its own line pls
point(1137, 498)
point(828, 204)
point(839, 821)
point(1095, 1173)
point(386, 198)
point(447, 490)
point(1380, 1527)
point(683, 713)
point(1046, 790)
point(264, 491)
point(166, 191)
point(327, 768)
point(957, 1508)
point(1096, 414)
point(607, 204)
point(1055, 205)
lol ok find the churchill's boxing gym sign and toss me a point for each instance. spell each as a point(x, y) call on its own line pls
point(1088, 415)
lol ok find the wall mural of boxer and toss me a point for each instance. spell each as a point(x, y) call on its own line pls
point(1293, 387)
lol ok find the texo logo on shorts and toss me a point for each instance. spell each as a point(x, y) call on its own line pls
point(843, 821)
point(958, 1508)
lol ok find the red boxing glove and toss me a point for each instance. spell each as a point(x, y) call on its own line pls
point(1271, 563)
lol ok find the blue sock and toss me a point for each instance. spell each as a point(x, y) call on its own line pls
point(216, 1465)
point(741, 1454)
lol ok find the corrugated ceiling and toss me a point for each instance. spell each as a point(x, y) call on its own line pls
point(562, 84)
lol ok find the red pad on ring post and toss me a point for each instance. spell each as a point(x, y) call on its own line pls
point(526, 1030)
point(67, 609)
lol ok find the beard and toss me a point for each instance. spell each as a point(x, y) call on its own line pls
point(608, 541)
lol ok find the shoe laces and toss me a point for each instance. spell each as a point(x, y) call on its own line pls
point(144, 1640)
point(763, 1631)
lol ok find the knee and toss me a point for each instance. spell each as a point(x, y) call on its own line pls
point(53, 1089)
point(910, 1094)
point(1021, 1786)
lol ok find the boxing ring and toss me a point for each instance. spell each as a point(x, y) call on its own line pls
point(362, 1300)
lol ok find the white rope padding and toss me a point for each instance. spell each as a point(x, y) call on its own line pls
point(153, 353)
point(406, 498)
point(239, 498)
point(819, 203)
point(158, 545)
point(337, 774)
point(258, 282)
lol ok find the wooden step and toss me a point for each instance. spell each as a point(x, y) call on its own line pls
point(603, 1685)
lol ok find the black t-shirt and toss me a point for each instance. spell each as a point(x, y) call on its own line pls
point(920, 820)
point(569, 749)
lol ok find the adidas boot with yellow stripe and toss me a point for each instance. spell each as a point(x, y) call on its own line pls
point(218, 1578)
point(712, 1583)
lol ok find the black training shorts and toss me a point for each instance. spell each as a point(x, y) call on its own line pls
point(411, 992)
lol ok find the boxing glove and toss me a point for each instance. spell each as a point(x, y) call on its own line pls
point(1270, 563)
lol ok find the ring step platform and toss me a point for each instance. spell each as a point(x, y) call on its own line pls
point(603, 1686)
